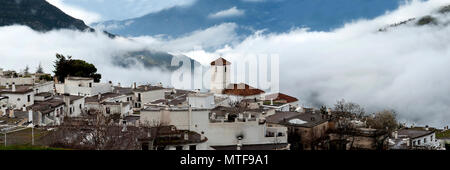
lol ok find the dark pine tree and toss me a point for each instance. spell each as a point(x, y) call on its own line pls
point(70, 67)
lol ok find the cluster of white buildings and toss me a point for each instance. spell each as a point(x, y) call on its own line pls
point(230, 116)
point(214, 114)
point(227, 117)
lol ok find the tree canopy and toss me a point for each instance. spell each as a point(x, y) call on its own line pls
point(66, 66)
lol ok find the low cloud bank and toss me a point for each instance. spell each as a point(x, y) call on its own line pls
point(405, 68)
point(21, 46)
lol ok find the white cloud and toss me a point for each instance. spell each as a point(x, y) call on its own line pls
point(76, 12)
point(405, 68)
point(125, 9)
point(34, 48)
point(99, 49)
point(232, 12)
point(213, 37)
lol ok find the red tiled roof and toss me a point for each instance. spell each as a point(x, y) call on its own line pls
point(281, 97)
point(239, 90)
point(220, 62)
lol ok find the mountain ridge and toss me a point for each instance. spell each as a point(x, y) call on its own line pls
point(40, 16)
point(277, 16)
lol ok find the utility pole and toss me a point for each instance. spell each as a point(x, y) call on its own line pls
point(30, 119)
point(32, 134)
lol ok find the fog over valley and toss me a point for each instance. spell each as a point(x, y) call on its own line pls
point(380, 63)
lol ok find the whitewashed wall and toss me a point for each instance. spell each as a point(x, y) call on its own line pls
point(17, 81)
point(76, 110)
point(47, 87)
point(20, 100)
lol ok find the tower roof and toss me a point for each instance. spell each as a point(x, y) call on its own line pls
point(220, 62)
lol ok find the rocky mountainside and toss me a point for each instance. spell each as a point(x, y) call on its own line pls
point(432, 19)
point(250, 15)
point(38, 15)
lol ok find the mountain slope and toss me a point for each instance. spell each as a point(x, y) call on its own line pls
point(273, 15)
point(38, 15)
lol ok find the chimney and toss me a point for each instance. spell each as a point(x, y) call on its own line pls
point(427, 128)
point(202, 136)
point(66, 99)
point(119, 85)
point(124, 125)
point(24, 109)
point(134, 85)
point(396, 134)
point(99, 96)
point(271, 102)
point(145, 88)
point(7, 85)
point(11, 113)
point(13, 88)
point(30, 116)
point(186, 135)
point(239, 145)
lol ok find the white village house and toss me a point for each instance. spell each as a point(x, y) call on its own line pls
point(82, 86)
point(225, 127)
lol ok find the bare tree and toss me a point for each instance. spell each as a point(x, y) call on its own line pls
point(386, 122)
point(344, 113)
point(95, 132)
point(386, 119)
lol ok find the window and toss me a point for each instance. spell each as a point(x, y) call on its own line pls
point(70, 110)
point(139, 97)
point(90, 84)
point(418, 142)
point(28, 98)
point(424, 140)
point(80, 106)
point(225, 69)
